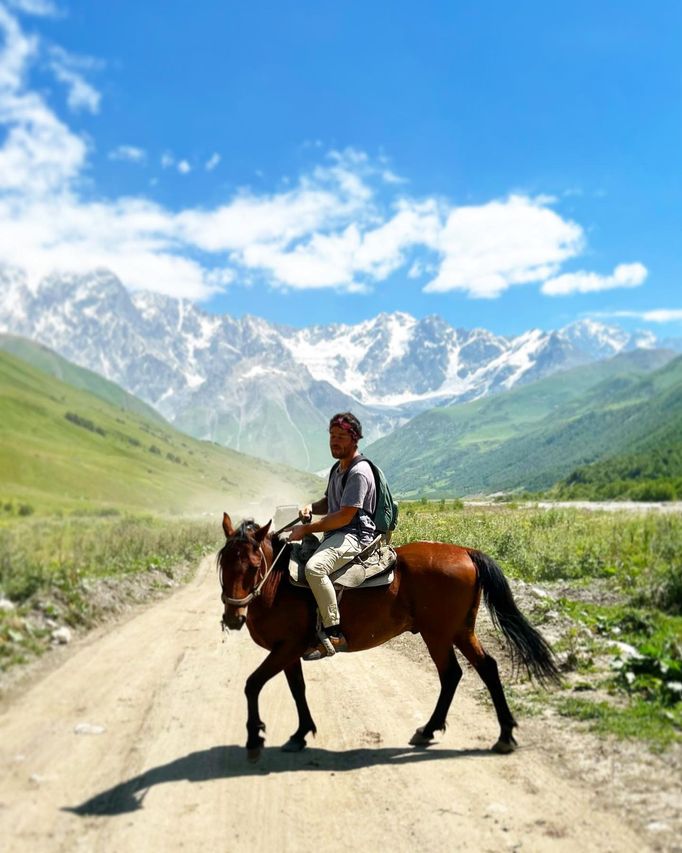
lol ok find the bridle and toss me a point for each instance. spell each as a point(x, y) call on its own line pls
point(256, 591)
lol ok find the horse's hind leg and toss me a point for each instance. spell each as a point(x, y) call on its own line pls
point(294, 674)
point(486, 667)
point(450, 673)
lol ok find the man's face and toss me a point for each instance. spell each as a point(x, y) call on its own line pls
point(340, 442)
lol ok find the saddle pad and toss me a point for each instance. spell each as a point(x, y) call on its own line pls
point(377, 569)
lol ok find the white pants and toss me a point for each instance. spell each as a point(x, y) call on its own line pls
point(333, 552)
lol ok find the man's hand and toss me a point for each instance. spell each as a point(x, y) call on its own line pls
point(305, 513)
point(298, 533)
point(326, 524)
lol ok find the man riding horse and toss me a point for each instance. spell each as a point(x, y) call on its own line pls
point(436, 591)
point(347, 524)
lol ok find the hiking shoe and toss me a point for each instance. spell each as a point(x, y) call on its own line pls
point(326, 648)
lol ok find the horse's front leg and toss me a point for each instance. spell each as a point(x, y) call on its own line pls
point(279, 658)
point(294, 674)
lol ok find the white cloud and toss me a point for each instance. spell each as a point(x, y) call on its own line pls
point(390, 177)
point(17, 51)
point(346, 259)
point(384, 249)
point(169, 161)
point(654, 315)
point(662, 315)
point(132, 238)
point(324, 261)
point(42, 8)
point(39, 154)
point(67, 68)
point(129, 153)
point(346, 224)
point(624, 275)
point(487, 248)
point(273, 223)
point(420, 268)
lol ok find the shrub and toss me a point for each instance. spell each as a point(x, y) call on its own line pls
point(85, 423)
point(653, 491)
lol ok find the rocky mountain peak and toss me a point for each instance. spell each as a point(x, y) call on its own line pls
point(242, 381)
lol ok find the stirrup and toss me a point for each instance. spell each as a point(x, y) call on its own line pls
point(326, 647)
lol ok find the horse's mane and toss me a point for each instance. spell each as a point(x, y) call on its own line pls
point(281, 569)
point(241, 534)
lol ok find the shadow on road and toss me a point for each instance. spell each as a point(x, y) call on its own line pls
point(225, 762)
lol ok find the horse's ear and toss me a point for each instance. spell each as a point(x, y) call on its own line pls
point(262, 532)
point(227, 525)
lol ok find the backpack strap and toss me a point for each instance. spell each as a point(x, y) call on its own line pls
point(354, 462)
point(331, 474)
point(344, 479)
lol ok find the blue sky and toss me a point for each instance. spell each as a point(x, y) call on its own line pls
point(504, 165)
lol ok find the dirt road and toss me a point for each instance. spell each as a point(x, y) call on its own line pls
point(135, 742)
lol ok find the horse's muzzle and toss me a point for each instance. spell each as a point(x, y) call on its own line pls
point(233, 621)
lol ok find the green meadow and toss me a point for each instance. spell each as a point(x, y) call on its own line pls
point(65, 449)
point(102, 501)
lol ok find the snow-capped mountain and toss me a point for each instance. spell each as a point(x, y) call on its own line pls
point(268, 389)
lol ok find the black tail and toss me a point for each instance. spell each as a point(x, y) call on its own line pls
point(528, 647)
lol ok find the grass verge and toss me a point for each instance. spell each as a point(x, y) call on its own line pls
point(68, 573)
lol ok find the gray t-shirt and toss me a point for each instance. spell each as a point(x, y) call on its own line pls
point(360, 492)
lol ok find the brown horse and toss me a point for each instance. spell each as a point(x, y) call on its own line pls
point(436, 592)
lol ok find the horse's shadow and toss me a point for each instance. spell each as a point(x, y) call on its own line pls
point(225, 762)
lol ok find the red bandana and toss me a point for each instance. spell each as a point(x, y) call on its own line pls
point(344, 424)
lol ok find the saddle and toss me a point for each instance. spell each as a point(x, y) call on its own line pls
point(373, 566)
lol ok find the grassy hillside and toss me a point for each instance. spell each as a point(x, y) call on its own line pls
point(63, 448)
point(47, 361)
point(532, 436)
point(651, 469)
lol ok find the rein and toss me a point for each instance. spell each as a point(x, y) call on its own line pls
point(243, 602)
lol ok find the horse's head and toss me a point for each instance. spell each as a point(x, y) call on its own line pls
point(240, 561)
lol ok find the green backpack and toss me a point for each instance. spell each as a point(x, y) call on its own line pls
point(386, 513)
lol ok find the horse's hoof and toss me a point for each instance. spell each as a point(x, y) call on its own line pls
point(504, 747)
point(253, 752)
point(420, 739)
point(294, 745)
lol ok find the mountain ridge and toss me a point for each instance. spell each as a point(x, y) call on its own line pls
point(530, 437)
point(244, 381)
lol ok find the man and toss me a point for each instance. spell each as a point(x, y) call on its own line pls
point(347, 524)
